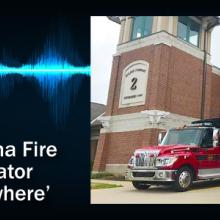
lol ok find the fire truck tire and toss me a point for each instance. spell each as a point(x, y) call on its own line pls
point(140, 185)
point(183, 180)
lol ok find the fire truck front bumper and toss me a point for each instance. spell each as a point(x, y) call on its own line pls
point(150, 175)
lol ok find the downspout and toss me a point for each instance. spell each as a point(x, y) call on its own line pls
point(204, 75)
point(204, 78)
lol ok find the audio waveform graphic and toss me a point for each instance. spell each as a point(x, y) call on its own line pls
point(54, 76)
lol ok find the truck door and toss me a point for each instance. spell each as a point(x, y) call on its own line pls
point(216, 148)
point(208, 158)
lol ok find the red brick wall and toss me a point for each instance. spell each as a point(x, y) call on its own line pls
point(117, 148)
point(123, 144)
point(93, 147)
point(215, 96)
point(101, 152)
point(112, 85)
point(174, 81)
point(185, 80)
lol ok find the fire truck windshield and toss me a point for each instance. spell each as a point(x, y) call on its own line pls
point(188, 136)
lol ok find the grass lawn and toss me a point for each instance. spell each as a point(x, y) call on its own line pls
point(103, 185)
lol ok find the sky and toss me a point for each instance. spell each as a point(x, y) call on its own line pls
point(104, 40)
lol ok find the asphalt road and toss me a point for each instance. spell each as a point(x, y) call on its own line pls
point(201, 193)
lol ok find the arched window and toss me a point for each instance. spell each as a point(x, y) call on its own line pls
point(142, 26)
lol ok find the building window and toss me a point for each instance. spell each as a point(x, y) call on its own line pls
point(142, 26)
point(188, 30)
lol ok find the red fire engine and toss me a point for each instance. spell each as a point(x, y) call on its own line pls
point(183, 155)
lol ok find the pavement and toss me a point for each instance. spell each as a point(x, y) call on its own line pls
point(207, 192)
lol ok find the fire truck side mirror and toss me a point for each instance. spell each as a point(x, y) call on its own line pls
point(215, 137)
point(161, 136)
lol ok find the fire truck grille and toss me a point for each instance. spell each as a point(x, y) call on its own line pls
point(145, 161)
point(143, 174)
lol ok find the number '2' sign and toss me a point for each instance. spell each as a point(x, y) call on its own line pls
point(134, 83)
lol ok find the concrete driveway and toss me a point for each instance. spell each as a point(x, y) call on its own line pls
point(201, 193)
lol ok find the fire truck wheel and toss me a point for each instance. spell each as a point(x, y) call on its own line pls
point(184, 179)
point(140, 185)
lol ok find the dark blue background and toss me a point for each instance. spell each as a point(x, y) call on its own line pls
point(24, 116)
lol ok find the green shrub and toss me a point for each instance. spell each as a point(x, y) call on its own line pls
point(101, 175)
point(107, 176)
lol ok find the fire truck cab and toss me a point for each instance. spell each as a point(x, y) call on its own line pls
point(184, 155)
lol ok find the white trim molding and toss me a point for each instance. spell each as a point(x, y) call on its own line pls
point(116, 168)
point(170, 25)
point(155, 116)
point(143, 120)
point(216, 70)
point(163, 37)
point(96, 118)
point(159, 21)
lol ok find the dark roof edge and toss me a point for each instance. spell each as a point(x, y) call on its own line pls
point(115, 19)
point(96, 103)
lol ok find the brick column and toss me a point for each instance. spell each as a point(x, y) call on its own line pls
point(101, 152)
point(112, 85)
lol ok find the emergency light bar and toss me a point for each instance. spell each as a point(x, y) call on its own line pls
point(214, 122)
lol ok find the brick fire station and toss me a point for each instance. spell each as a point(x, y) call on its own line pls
point(161, 78)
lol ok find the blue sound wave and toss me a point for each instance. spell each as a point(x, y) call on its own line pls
point(53, 74)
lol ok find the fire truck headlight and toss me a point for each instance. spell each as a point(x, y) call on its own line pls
point(165, 161)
